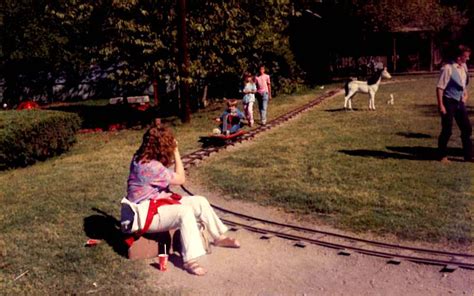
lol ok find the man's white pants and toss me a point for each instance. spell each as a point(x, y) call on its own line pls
point(184, 217)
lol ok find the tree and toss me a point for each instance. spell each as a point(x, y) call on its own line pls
point(183, 61)
point(393, 15)
point(230, 37)
point(31, 49)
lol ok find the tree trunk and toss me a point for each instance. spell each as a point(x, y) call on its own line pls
point(431, 52)
point(204, 98)
point(394, 55)
point(155, 92)
point(183, 63)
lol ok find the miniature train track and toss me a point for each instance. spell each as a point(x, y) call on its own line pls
point(302, 236)
point(344, 244)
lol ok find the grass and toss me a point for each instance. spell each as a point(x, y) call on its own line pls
point(364, 171)
point(51, 208)
point(361, 170)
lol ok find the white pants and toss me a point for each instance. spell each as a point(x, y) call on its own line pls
point(248, 109)
point(184, 217)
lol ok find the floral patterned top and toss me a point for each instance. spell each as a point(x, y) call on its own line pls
point(148, 181)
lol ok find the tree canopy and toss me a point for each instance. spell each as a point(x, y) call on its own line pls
point(397, 15)
point(133, 42)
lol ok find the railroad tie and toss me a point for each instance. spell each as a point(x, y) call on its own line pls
point(300, 244)
point(344, 252)
point(449, 268)
point(394, 261)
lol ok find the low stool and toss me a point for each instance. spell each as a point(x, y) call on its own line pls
point(150, 245)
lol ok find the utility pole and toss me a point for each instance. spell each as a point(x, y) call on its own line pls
point(183, 63)
point(155, 89)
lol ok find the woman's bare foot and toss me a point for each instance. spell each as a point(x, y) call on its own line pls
point(194, 268)
point(227, 242)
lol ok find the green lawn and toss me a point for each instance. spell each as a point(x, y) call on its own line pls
point(358, 170)
point(361, 170)
point(50, 209)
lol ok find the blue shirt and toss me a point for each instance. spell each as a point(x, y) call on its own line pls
point(452, 82)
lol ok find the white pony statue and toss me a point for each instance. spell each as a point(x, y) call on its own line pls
point(367, 87)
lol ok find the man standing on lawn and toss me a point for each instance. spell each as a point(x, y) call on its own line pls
point(264, 93)
point(452, 96)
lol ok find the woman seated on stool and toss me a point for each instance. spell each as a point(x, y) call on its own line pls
point(150, 179)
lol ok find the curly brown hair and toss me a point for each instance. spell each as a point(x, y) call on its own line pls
point(158, 144)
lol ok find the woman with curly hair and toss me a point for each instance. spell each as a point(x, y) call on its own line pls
point(150, 179)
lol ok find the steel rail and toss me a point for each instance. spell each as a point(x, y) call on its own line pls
point(336, 235)
point(416, 259)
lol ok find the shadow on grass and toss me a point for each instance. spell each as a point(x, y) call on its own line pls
point(208, 141)
point(106, 227)
point(432, 109)
point(409, 153)
point(342, 110)
point(414, 135)
point(427, 109)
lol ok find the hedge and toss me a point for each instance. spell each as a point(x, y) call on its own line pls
point(31, 135)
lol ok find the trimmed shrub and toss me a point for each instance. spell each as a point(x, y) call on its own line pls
point(31, 135)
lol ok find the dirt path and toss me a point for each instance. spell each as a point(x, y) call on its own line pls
point(276, 267)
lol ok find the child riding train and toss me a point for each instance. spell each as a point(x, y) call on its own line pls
point(230, 120)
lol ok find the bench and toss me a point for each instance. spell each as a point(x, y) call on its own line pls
point(138, 100)
point(142, 100)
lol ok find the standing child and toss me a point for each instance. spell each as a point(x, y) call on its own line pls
point(231, 118)
point(249, 90)
point(264, 93)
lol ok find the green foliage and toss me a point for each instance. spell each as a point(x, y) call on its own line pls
point(21, 16)
point(136, 41)
point(237, 36)
point(31, 135)
point(29, 47)
point(392, 16)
